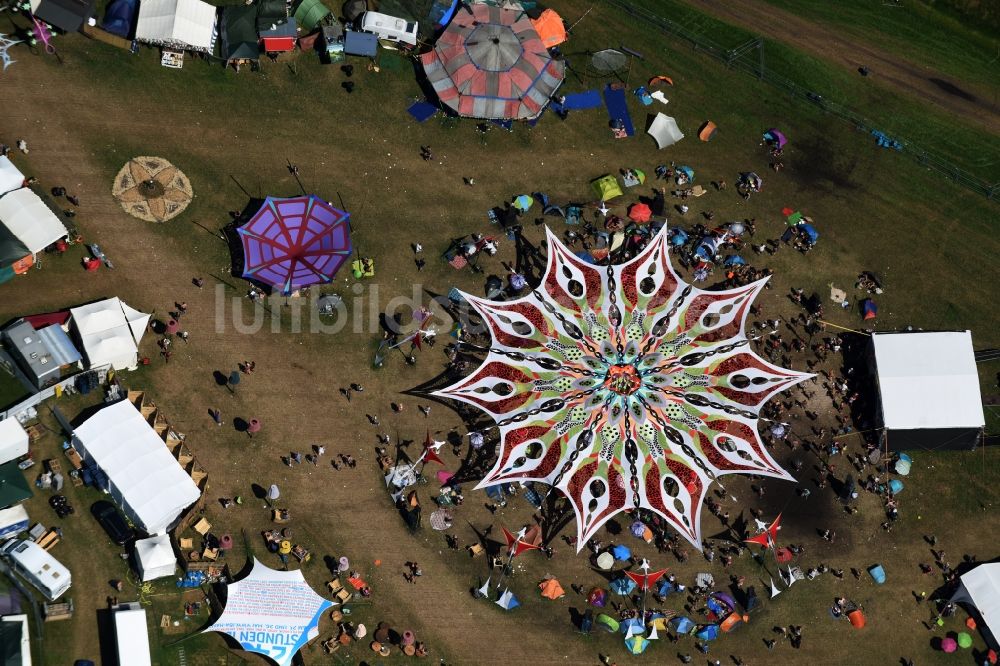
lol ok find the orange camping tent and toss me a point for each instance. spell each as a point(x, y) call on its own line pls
point(551, 589)
point(707, 131)
point(857, 619)
point(550, 28)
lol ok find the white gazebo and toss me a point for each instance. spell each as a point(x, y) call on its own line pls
point(110, 332)
point(11, 177)
point(28, 218)
point(929, 390)
point(13, 440)
point(270, 612)
point(183, 24)
point(154, 558)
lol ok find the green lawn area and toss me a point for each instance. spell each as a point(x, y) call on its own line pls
point(875, 210)
point(970, 149)
point(925, 32)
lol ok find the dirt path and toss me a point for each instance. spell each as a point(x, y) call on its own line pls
point(972, 105)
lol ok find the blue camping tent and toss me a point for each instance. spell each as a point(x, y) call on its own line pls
point(877, 573)
point(623, 585)
point(895, 486)
point(811, 232)
point(634, 623)
point(587, 622)
point(682, 625)
point(734, 260)
point(621, 553)
point(678, 237)
point(666, 587)
point(707, 248)
point(709, 632)
point(687, 171)
point(508, 601)
point(119, 17)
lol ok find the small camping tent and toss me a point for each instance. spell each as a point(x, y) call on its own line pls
point(13, 440)
point(154, 558)
point(980, 588)
point(929, 390)
point(309, 13)
point(11, 177)
point(67, 15)
point(28, 218)
point(607, 187)
point(550, 28)
point(239, 33)
point(185, 24)
point(109, 332)
point(14, 488)
point(664, 131)
point(119, 17)
point(551, 589)
point(15, 258)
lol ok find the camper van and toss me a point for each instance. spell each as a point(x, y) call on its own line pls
point(390, 28)
point(38, 567)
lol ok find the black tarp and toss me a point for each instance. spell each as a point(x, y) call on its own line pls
point(67, 15)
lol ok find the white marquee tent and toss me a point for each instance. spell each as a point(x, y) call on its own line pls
point(665, 131)
point(980, 587)
point(186, 24)
point(132, 637)
point(280, 601)
point(143, 477)
point(154, 558)
point(13, 440)
point(11, 177)
point(110, 332)
point(929, 389)
point(27, 217)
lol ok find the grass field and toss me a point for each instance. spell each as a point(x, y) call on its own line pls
point(928, 33)
point(932, 128)
point(875, 211)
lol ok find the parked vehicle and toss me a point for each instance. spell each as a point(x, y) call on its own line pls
point(107, 515)
point(390, 28)
point(38, 567)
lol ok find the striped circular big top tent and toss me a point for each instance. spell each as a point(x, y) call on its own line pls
point(490, 63)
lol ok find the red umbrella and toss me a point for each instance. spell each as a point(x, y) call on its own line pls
point(640, 213)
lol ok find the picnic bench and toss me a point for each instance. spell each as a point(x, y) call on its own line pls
point(74, 458)
point(58, 611)
point(49, 539)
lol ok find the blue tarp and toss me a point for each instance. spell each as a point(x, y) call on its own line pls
point(119, 17)
point(621, 552)
point(421, 111)
point(614, 100)
point(591, 99)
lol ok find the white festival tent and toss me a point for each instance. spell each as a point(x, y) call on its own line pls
point(154, 558)
point(13, 440)
point(32, 222)
point(110, 332)
point(142, 476)
point(980, 587)
point(665, 131)
point(270, 612)
point(186, 24)
point(11, 177)
point(929, 389)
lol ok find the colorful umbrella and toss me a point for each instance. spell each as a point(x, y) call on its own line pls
point(293, 243)
point(776, 136)
point(491, 63)
point(640, 213)
point(551, 366)
point(605, 561)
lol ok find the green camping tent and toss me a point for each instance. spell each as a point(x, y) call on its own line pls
point(239, 33)
point(309, 13)
point(14, 488)
point(607, 187)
